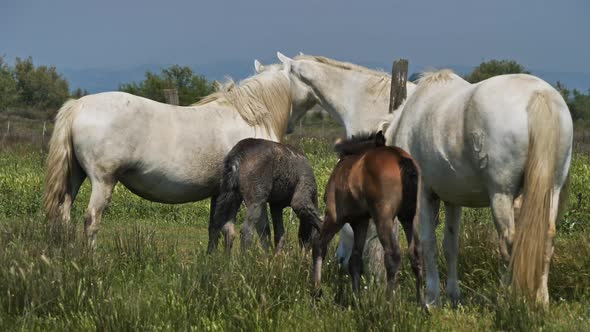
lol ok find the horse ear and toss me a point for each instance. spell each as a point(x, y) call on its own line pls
point(301, 53)
point(217, 85)
point(285, 60)
point(258, 66)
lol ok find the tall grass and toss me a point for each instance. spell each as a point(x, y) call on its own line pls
point(151, 272)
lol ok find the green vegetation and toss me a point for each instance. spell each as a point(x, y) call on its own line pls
point(36, 92)
point(27, 88)
point(492, 68)
point(151, 271)
point(191, 87)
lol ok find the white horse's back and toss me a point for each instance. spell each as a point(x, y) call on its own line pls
point(160, 152)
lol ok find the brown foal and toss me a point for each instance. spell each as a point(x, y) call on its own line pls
point(372, 181)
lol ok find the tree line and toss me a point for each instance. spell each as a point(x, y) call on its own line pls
point(25, 87)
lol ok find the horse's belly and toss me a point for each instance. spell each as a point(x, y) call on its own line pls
point(464, 187)
point(165, 189)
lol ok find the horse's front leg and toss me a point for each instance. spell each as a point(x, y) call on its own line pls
point(429, 206)
point(451, 249)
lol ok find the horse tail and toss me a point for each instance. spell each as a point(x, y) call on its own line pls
point(533, 227)
point(410, 186)
point(60, 161)
point(230, 198)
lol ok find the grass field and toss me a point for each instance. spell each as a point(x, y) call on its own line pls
point(151, 272)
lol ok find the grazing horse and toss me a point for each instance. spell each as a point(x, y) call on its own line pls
point(377, 182)
point(487, 144)
point(480, 144)
point(163, 153)
point(258, 171)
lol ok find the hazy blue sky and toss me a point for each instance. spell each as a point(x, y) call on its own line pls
point(552, 35)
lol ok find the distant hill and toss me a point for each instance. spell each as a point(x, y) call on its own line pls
point(108, 79)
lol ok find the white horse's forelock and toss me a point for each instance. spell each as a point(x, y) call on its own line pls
point(260, 100)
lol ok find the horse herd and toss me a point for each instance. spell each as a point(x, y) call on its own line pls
point(505, 142)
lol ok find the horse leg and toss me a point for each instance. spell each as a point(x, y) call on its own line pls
point(429, 206)
point(355, 266)
point(320, 246)
point(213, 229)
point(543, 291)
point(451, 249)
point(229, 234)
point(255, 217)
point(503, 213)
point(263, 228)
point(226, 229)
point(76, 179)
point(102, 190)
point(415, 251)
point(276, 212)
point(307, 212)
point(387, 233)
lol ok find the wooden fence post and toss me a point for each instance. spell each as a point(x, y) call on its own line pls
point(171, 96)
point(43, 139)
point(399, 78)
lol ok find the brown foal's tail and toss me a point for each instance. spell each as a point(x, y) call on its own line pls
point(410, 174)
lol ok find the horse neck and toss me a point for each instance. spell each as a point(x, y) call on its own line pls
point(358, 101)
point(264, 102)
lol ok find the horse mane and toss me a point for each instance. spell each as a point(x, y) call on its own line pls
point(359, 143)
point(260, 100)
point(429, 77)
point(341, 64)
point(224, 86)
point(381, 85)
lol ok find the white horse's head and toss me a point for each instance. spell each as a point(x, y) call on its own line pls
point(356, 96)
point(302, 95)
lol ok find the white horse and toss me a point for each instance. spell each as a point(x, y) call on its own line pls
point(478, 145)
point(358, 98)
point(163, 153)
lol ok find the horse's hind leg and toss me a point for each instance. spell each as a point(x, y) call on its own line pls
point(429, 206)
point(543, 291)
point(355, 265)
point(387, 232)
point(503, 213)
point(415, 250)
point(76, 179)
point(102, 190)
point(276, 212)
point(451, 250)
point(227, 229)
point(256, 217)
